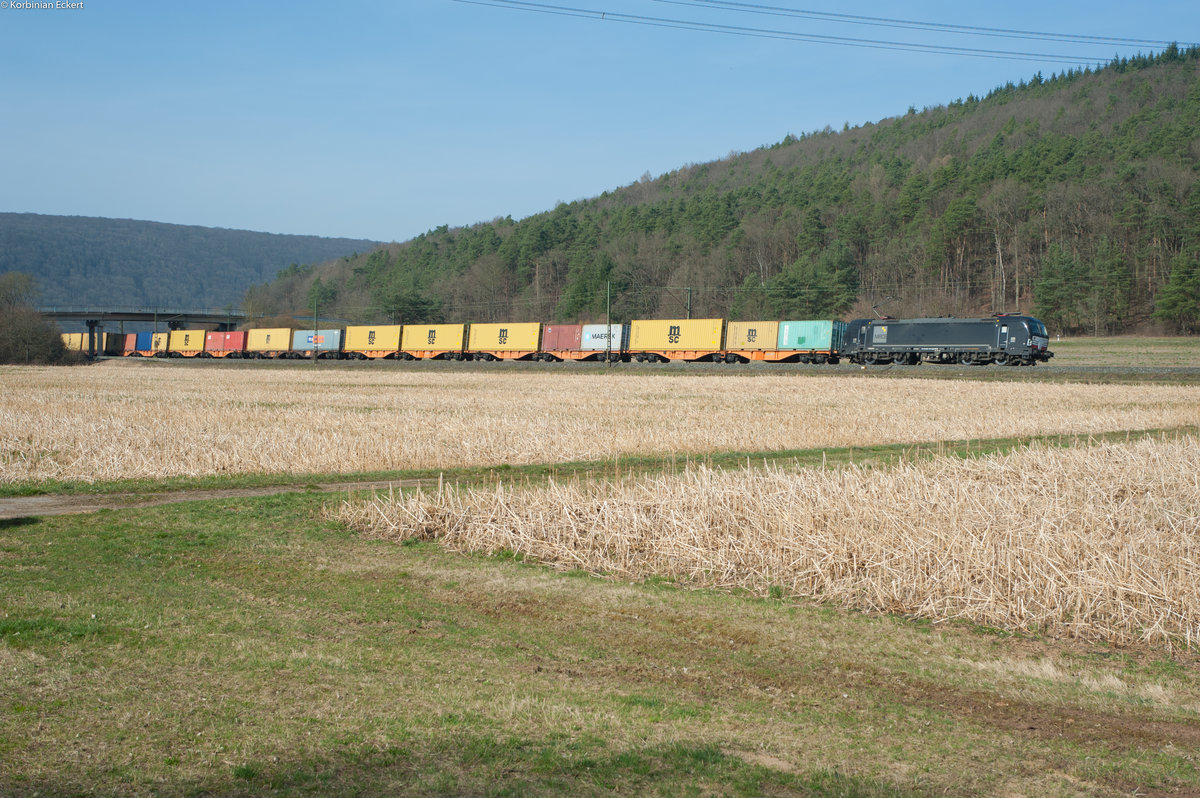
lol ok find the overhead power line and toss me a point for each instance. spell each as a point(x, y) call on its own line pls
point(886, 22)
point(772, 33)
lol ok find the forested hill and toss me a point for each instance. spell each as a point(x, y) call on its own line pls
point(1075, 196)
point(82, 260)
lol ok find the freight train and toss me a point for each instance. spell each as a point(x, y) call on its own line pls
point(1002, 339)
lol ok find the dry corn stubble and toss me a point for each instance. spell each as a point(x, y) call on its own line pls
point(1099, 543)
point(130, 420)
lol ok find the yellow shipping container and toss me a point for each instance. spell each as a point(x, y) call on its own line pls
point(159, 342)
point(269, 339)
point(751, 334)
point(73, 341)
point(433, 337)
point(691, 335)
point(522, 337)
point(188, 341)
point(381, 338)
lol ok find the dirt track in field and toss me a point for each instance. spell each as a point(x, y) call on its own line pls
point(41, 506)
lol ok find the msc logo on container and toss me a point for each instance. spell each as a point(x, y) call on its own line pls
point(503, 335)
point(673, 334)
point(370, 337)
point(432, 336)
point(751, 335)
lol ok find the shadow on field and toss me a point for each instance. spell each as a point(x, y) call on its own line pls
point(482, 764)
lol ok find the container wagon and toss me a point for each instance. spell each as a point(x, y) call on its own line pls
point(676, 339)
point(380, 341)
point(520, 341)
point(225, 344)
point(186, 343)
point(325, 344)
point(433, 341)
point(160, 344)
point(269, 342)
point(605, 342)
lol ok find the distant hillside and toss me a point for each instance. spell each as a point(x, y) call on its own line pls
point(1075, 196)
point(82, 260)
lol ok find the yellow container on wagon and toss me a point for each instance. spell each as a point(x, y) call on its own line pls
point(750, 335)
point(378, 338)
point(74, 342)
point(433, 337)
point(188, 343)
point(160, 342)
point(690, 335)
point(269, 339)
point(522, 337)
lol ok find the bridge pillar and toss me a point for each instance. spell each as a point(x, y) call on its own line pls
point(92, 324)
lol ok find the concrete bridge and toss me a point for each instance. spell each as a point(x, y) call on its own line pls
point(98, 319)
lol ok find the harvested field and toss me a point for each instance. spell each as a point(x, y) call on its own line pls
point(124, 419)
point(1099, 542)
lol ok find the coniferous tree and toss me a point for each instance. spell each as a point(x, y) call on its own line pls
point(1179, 300)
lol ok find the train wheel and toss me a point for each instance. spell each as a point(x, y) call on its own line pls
point(965, 359)
point(1001, 359)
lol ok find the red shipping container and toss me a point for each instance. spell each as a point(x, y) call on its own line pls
point(225, 341)
point(562, 337)
point(235, 341)
point(130, 344)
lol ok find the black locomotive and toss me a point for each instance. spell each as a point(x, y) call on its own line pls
point(1003, 339)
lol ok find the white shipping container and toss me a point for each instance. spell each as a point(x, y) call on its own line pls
point(597, 338)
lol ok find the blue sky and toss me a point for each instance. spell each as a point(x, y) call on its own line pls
point(382, 120)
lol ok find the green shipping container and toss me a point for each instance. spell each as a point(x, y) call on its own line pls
point(823, 336)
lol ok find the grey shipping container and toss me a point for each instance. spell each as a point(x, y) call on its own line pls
point(321, 340)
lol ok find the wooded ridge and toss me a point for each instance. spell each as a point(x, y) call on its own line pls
point(122, 262)
point(1075, 197)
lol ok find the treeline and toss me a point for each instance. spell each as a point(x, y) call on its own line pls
point(1076, 197)
point(106, 262)
point(27, 337)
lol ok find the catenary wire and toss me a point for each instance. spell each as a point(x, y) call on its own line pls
point(769, 33)
point(887, 22)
